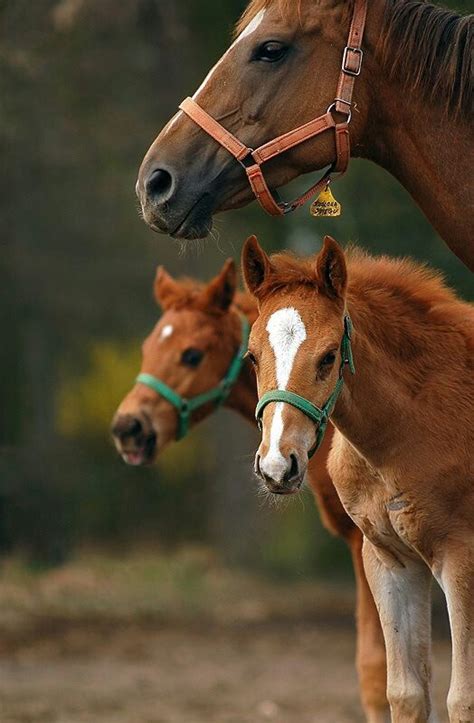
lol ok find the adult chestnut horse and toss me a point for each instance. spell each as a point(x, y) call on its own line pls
point(190, 350)
point(410, 111)
point(402, 455)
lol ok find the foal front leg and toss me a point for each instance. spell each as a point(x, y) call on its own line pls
point(457, 581)
point(402, 594)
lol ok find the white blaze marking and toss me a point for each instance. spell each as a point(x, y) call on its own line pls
point(166, 331)
point(172, 122)
point(286, 333)
point(251, 28)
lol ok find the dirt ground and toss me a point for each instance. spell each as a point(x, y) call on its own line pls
point(152, 638)
point(291, 673)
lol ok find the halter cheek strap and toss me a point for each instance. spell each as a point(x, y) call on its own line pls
point(185, 407)
point(252, 160)
point(318, 415)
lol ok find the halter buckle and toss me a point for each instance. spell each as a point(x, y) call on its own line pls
point(360, 56)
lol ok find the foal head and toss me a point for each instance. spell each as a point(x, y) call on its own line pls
point(281, 71)
point(190, 350)
point(295, 345)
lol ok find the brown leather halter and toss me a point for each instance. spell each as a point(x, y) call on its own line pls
point(252, 160)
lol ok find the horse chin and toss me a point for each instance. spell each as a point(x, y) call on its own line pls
point(192, 223)
point(284, 489)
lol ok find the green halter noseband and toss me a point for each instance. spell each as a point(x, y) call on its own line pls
point(320, 416)
point(218, 395)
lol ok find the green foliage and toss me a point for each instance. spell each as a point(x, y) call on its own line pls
point(85, 402)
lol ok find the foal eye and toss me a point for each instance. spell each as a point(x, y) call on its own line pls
point(251, 358)
point(328, 360)
point(192, 357)
point(271, 51)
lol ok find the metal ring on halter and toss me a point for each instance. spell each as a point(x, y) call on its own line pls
point(247, 160)
point(346, 102)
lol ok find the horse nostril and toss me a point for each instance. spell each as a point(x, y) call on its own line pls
point(159, 185)
point(135, 428)
point(293, 472)
point(257, 469)
point(126, 427)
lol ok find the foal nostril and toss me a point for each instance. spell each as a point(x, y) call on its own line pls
point(256, 468)
point(159, 185)
point(135, 428)
point(293, 472)
point(127, 426)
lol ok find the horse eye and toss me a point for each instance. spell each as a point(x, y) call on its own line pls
point(192, 357)
point(251, 358)
point(328, 360)
point(271, 52)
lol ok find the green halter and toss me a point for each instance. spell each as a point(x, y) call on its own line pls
point(320, 416)
point(218, 395)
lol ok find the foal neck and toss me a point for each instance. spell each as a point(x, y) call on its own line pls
point(411, 344)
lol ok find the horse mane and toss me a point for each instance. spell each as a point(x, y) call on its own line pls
point(428, 47)
point(401, 278)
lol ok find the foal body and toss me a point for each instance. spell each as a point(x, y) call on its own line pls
point(208, 318)
point(402, 456)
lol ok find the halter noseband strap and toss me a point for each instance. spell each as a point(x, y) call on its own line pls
point(318, 415)
point(217, 395)
point(252, 160)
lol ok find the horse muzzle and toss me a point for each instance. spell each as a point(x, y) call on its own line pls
point(281, 475)
point(135, 439)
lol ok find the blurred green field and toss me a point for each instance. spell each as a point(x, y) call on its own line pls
point(150, 586)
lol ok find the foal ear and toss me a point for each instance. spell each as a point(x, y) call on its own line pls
point(165, 288)
point(220, 291)
point(331, 270)
point(256, 265)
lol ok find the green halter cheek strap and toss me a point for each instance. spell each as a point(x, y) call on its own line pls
point(318, 415)
point(185, 407)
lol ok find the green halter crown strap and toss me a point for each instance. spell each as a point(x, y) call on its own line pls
point(218, 395)
point(320, 416)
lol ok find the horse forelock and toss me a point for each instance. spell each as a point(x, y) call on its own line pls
point(286, 7)
point(189, 294)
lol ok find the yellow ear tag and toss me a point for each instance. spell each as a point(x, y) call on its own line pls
point(325, 205)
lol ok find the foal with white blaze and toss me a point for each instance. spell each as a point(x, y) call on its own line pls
point(402, 456)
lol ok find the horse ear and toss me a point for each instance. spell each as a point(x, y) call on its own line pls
point(331, 270)
point(220, 291)
point(165, 288)
point(256, 265)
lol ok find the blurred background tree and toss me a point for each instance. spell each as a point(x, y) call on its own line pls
point(85, 86)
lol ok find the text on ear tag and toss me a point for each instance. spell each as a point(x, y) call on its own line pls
point(325, 205)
